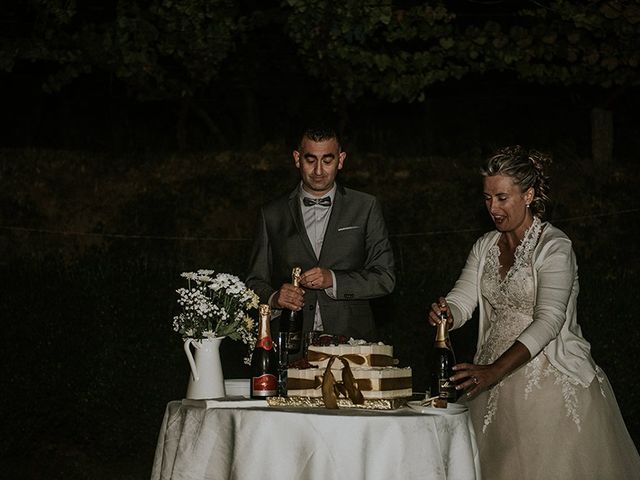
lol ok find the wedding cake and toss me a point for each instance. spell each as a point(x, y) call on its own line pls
point(370, 365)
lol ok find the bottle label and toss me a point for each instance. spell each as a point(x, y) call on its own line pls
point(265, 343)
point(294, 339)
point(447, 389)
point(265, 385)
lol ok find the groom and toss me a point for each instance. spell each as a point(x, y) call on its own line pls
point(336, 235)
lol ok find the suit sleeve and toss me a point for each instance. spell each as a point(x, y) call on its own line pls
point(260, 263)
point(377, 276)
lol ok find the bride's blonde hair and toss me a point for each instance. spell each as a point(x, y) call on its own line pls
point(526, 168)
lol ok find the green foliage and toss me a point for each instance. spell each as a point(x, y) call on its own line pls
point(171, 49)
point(397, 52)
point(576, 43)
point(198, 53)
point(357, 47)
point(159, 49)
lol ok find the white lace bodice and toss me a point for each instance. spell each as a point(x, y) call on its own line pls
point(512, 298)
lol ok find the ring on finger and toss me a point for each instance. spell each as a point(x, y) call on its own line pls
point(475, 380)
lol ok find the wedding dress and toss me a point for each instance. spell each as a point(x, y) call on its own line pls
point(539, 423)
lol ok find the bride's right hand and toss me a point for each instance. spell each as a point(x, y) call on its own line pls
point(438, 307)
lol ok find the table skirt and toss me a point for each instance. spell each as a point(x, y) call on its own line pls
point(296, 444)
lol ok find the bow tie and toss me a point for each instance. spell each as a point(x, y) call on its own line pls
point(309, 202)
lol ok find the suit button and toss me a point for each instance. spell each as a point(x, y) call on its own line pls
point(311, 307)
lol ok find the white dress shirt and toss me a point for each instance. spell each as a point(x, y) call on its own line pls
point(316, 218)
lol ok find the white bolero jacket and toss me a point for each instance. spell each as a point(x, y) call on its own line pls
point(555, 328)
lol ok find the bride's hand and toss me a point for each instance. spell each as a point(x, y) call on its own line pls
point(474, 379)
point(436, 309)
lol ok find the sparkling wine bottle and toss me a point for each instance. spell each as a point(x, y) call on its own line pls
point(264, 362)
point(291, 322)
point(441, 362)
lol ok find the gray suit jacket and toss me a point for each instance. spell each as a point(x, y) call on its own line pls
point(356, 247)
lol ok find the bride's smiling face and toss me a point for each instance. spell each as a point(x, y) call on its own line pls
point(507, 203)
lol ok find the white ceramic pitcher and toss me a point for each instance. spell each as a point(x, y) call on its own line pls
point(206, 379)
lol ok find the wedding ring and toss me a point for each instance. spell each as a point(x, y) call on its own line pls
point(475, 380)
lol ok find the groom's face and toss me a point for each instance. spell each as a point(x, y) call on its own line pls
point(318, 163)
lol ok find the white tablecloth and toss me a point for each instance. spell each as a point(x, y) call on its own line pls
point(297, 444)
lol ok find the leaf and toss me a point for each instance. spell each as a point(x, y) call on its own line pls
point(573, 37)
point(609, 11)
point(447, 43)
point(610, 63)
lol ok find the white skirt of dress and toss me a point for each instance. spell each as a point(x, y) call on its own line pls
point(540, 424)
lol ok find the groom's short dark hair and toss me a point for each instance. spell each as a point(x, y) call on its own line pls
point(318, 133)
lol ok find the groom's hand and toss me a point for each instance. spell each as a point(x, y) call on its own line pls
point(317, 278)
point(289, 297)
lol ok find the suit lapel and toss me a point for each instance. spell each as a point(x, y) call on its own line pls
point(332, 224)
point(296, 214)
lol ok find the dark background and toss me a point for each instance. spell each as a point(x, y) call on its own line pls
point(109, 193)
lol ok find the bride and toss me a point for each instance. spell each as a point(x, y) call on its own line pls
point(540, 406)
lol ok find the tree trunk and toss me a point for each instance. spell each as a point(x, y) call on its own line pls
point(601, 136)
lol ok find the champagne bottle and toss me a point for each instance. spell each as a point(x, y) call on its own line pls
point(264, 363)
point(283, 363)
point(441, 362)
point(291, 322)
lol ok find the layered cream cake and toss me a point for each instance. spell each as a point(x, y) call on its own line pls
point(357, 354)
point(373, 382)
point(372, 366)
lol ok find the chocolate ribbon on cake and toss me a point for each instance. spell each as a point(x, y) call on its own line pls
point(332, 389)
point(364, 384)
point(375, 359)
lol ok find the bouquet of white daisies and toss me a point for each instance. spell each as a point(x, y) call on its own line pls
point(216, 305)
